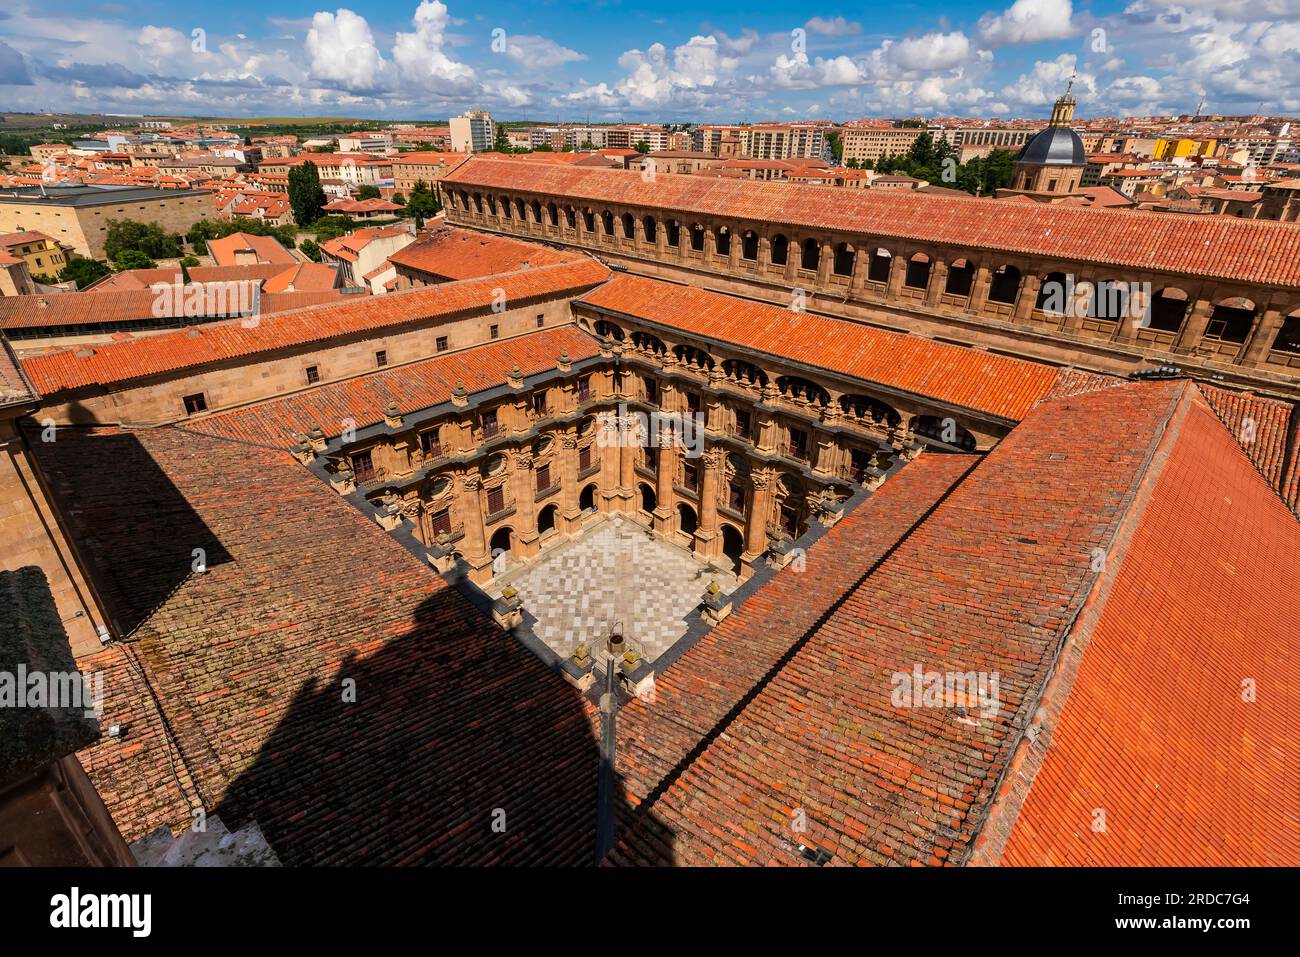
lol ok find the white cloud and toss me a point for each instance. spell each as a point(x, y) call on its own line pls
point(343, 51)
point(833, 26)
point(539, 52)
point(1029, 21)
point(420, 58)
point(934, 51)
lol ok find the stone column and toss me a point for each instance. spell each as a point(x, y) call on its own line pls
point(706, 534)
point(938, 282)
point(1194, 325)
point(793, 253)
point(568, 462)
point(979, 293)
point(756, 522)
point(859, 280)
point(470, 507)
point(525, 518)
point(629, 440)
point(1262, 334)
point(825, 262)
point(1028, 297)
point(666, 468)
point(897, 273)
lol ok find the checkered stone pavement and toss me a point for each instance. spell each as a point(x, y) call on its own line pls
point(615, 572)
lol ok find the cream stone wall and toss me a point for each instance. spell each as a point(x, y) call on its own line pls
point(84, 227)
point(283, 372)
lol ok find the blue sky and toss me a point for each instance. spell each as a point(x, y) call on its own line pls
point(635, 60)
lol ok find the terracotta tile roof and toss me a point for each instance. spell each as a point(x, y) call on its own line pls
point(248, 661)
point(994, 384)
point(63, 310)
point(347, 316)
point(1153, 727)
point(304, 277)
point(1259, 425)
point(730, 661)
point(1247, 250)
point(362, 206)
point(991, 581)
point(267, 248)
point(350, 246)
point(17, 239)
point(415, 386)
point(454, 253)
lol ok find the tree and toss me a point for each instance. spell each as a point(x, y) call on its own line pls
point(332, 227)
point(206, 229)
point(83, 271)
point(837, 146)
point(311, 249)
point(133, 259)
point(399, 198)
point(422, 204)
point(543, 148)
point(368, 192)
point(147, 238)
point(641, 146)
point(501, 143)
point(587, 145)
point(305, 194)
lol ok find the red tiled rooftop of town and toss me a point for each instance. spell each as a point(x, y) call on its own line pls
point(267, 249)
point(1230, 248)
point(465, 254)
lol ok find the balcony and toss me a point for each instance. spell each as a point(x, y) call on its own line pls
point(491, 429)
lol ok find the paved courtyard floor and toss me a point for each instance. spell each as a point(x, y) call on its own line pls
point(614, 572)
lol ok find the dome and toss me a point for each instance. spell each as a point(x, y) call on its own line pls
point(1054, 146)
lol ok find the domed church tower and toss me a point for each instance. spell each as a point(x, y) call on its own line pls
point(1051, 163)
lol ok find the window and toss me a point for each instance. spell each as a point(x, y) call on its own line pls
point(313, 374)
point(195, 403)
point(490, 426)
point(584, 388)
point(429, 444)
point(735, 497)
point(742, 424)
point(496, 500)
point(798, 444)
point(543, 477)
point(363, 465)
point(441, 522)
point(652, 391)
point(541, 320)
point(494, 331)
point(584, 458)
point(441, 343)
point(539, 403)
point(381, 358)
point(690, 476)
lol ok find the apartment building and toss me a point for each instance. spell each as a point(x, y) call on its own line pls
point(472, 132)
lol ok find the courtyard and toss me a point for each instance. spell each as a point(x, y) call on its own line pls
point(615, 571)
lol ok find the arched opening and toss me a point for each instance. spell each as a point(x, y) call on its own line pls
point(571, 217)
point(674, 233)
point(844, 254)
point(1288, 337)
point(867, 407)
point(1231, 320)
point(693, 357)
point(733, 546)
point(961, 276)
point(648, 499)
point(502, 541)
point(749, 246)
point(650, 228)
point(794, 387)
point(546, 519)
point(686, 520)
point(521, 210)
point(722, 241)
point(506, 208)
point(537, 211)
point(606, 328)
point(1005, 285)
point(1167, 309)
point(697, 237)
point(946, 430)
point(648, 342)
point(553, 214)
point(587, 498)
point(1052, 294)
point(588, 220)
point(607, 222)
point(780, 250)
point(629, 226)
point(918, 272)
point(812, 254)
point(743, 372)
point(478, 203)
point(1109, 300)
point(879, 265)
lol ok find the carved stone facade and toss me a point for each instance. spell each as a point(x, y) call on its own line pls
point(713, 452)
